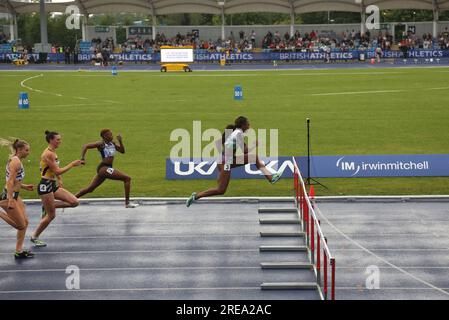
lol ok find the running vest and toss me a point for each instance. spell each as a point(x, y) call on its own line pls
point(108, 150)
point(20, 175)
point(45, 169)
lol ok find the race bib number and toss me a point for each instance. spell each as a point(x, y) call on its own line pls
point(42, 188)
point(110, 171)
point(227, 167)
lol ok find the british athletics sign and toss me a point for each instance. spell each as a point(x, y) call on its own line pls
point(321, 167)
point(204, 56)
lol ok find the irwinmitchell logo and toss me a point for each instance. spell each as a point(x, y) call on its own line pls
point(355, 168)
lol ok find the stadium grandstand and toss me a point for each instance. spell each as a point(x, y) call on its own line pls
point(100, 43)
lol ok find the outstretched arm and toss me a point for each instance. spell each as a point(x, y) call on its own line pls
point(50, 160)
point(89, 146)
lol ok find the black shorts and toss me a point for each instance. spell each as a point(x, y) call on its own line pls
point(109, 169)
point(5, 195)
point(47, 186)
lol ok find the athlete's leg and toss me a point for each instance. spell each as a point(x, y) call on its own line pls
point(66, 199)
point(21, 233)
point(250, 159)
point(48, 202)
point(16, 219)
point(96, 182)
point(113, 174)
point(223, 182)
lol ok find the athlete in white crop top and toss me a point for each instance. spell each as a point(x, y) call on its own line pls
point(12, 207)
point(232, 141)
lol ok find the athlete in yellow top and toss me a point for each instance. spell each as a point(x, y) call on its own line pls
point(50, 187)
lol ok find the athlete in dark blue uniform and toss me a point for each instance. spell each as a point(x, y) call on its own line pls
point(105, 170)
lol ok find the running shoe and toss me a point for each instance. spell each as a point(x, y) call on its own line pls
point(38, 243)
point(25, 254)
point(191, 200)
point(276, 177)
point(132, 205)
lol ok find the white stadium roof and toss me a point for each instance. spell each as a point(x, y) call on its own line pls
point(160, 7)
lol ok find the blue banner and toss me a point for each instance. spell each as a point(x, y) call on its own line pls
point(5, 48)
point(51, 57)
point(130, 57)
point(321, 167)
point(204, 56)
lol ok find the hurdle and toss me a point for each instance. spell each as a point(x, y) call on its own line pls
point(314, 237)
point(320, 259)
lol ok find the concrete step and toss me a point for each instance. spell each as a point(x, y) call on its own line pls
point(289, 286)
point(286, 265)
point(278, 210)
point(283, 248)
point(279, 221)
point(282, 234)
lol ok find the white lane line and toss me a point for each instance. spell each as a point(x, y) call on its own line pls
point(99, 225)
point(340, 74)
point(22, 84)
point(133, 269)
point(134, 289)
point(378, 257)
point(442, 88)
point(141, 251)
point(149, 236)
point(373, 92)
point(355, 93)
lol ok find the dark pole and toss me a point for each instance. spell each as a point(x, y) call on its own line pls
point(308, 151)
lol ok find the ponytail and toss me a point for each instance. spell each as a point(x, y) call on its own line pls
point(13, 144)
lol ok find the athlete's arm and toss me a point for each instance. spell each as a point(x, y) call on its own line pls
point(50, 160)
point(88, 146)
point(14, 167)
point(28, 187)
point(120, 147)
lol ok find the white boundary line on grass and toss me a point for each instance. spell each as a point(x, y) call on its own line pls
point(378, 257)
point(23, 85)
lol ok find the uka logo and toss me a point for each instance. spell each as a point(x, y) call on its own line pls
point(207, 168)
